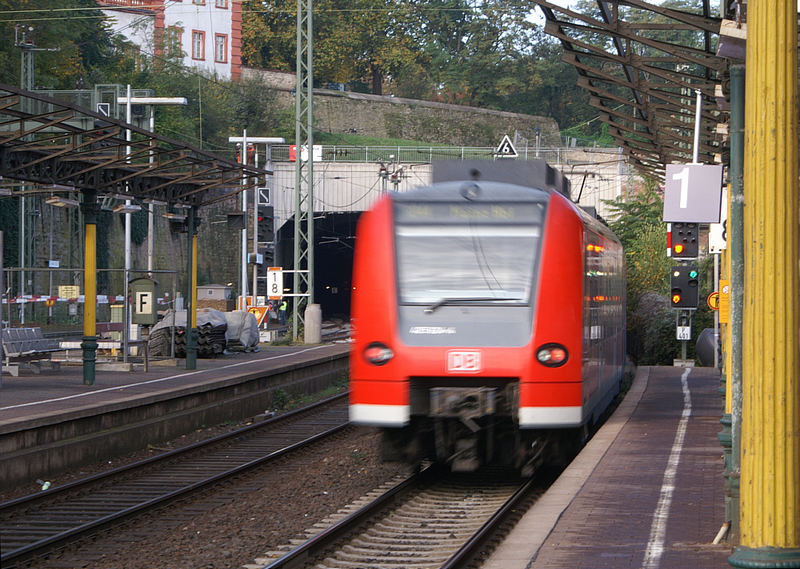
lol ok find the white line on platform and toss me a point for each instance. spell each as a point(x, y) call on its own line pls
point(128, 386)
point(658, 529)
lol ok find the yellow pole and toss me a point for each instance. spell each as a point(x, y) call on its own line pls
point(90, 280)
point(89, 344)
point(770, 461)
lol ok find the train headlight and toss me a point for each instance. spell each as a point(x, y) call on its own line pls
point(552, 355)
point(378, 354)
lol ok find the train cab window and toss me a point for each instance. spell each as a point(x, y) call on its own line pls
point(460, 254)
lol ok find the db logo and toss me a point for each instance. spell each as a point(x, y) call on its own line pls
point(463, 362)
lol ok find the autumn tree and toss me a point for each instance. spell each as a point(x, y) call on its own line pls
point(363, 40)
point(79, 46)
point(484, 54)
point(473, 48)
point(269, 34)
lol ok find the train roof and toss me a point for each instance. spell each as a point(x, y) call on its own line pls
point(526, 173)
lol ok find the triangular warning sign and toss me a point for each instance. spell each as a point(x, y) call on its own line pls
point(506, 149)
point(259, 312)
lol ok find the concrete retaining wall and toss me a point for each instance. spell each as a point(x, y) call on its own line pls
point(42, 450)
point(409, 119)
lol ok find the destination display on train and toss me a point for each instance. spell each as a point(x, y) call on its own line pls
point(469, 212)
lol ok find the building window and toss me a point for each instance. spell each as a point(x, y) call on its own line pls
point(172, 42)
point(198, 44)
point(201, 2)
point(222, 3)
point(221, 48)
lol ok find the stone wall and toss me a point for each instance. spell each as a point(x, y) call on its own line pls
point(410, 119)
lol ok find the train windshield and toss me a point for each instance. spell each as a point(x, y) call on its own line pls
point(462, 254)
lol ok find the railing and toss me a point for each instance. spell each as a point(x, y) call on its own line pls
point(133, 3)
point(426, 154)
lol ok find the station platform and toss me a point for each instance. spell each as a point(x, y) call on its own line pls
point(646, 492)
point(52, 423)
point(61, 393)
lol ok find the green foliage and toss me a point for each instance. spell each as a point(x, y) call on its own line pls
point(650, 318)
point(281, 400)
point(362, 40)
point(647, 262)
point(483, 54)
point(637, 222)
point(77, 46)
point(634, 213)
point(588, 135)
point(651, 321)
point(216, 109)
point(651, 331)
point(9, 225)
point(88, 54)
point(345, 139)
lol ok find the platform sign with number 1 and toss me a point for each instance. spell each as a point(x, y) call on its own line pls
point(692, 193)
point(275, 283)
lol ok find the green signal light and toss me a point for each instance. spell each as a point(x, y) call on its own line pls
point(693, 274)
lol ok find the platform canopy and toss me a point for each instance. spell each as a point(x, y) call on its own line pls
point(54, 143)
point(643, 65)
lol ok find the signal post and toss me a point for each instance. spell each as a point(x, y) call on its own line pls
point(770, 439)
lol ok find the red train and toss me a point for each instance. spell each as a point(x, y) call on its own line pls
point(489, 317)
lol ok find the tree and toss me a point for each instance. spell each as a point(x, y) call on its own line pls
point(369, 40)
point(83, 47)
point(647, 262)
point(637, 222)
point(473, 48)
point(269, 34)
point(483, 54)
point(361, 40)
point(546, 85)
point(650, 318)
point(634, 214)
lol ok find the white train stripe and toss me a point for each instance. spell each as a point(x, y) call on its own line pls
point(541, 417)
point(381, 415)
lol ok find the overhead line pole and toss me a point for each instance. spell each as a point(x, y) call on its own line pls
point(267, 141)
point(304, 169)
point(243, 249)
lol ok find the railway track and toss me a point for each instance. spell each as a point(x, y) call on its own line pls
point(428, 521)
point(34, 525)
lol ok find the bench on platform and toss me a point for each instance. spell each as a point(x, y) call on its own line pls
point(27, 345)
point(109, 345)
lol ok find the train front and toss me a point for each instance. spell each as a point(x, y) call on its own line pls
point(461, 340)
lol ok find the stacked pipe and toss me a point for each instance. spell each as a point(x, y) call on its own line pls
point(211, 330)
point(210, 340)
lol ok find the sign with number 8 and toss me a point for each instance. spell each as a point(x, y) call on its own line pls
point(275, 283)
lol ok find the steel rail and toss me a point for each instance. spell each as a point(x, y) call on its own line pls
point(60, 538)
point(308, 551)
point(337, 531)
point(478, 541)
